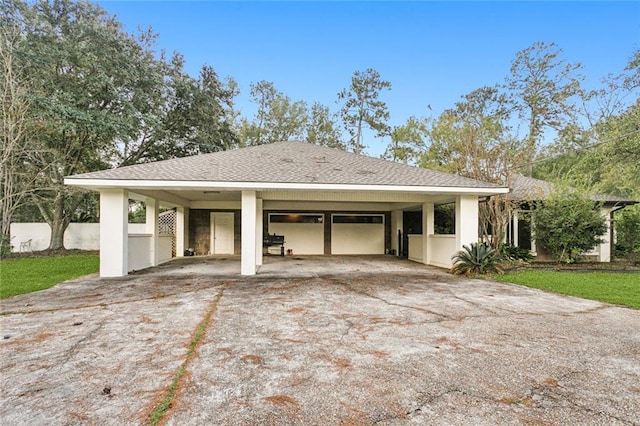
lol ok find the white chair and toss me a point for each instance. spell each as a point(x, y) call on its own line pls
point(25, 246)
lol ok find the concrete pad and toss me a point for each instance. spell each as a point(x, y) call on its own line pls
point(351, 340)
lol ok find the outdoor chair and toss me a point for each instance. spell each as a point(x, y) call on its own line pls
point(25, 246)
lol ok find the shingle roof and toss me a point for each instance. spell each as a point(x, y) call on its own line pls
point(286, 162)
point(528, 188)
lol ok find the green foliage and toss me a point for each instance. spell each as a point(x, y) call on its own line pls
point(542, 84)
point(99, 96)
point(5, 246)
point(444, 220)
point(322, 128)
point(361, 107)
point(567, 224)
point(26, 275)
point(277, 118)
point(511, 252)
point(627, 225)
point(407, 141)
point(476, 259)
point(608, 287)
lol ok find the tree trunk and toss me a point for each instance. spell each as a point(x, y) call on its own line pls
point(58, 223)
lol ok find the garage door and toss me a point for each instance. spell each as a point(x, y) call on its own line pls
point(357, 234)
point(303, 233)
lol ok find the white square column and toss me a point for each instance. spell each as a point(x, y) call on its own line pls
point(604, 249)
point(152, 227)
point(396, 225)
point(248, 231)
point(467, 220)
point(114, 230)
point(182, 230)
point(428, 226)
point(259, 231)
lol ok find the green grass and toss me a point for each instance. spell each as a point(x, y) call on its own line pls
point(26, 275)
point(610, 287)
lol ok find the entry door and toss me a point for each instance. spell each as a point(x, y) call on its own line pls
point(222, 233)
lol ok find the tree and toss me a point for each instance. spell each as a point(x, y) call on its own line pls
point(85, 76)
point(567, 224)
point(15, 183)
point(182, 115)
point(361, 107)
point(407, 141)
point(627, 225)
point(99, 97)
point(542, 84)
point(600, 152)
point(277, 117)
point(322, 129)
point(474, 140)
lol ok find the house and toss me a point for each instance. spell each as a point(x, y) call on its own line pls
point(324, 201)
point(525, 190)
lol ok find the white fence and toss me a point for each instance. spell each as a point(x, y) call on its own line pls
point(81, 236)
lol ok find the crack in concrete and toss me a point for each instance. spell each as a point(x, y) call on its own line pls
point(443, 317)
point(76, 346)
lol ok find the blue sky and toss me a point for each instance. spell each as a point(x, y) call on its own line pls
point(431, 52)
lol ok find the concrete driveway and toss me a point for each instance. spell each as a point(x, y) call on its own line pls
point(353, 341)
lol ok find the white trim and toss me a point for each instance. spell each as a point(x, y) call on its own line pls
point(257, 186)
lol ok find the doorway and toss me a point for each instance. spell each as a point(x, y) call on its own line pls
point(222, 238)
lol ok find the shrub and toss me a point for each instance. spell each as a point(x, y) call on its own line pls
point(567, 224)
point(511, 252)
point(627, 226)
point(5, 246)
point(476, 259)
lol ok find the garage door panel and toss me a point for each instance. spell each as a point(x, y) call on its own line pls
point(302, 238)
point(357, 234)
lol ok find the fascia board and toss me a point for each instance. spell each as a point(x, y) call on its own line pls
point(260, 186)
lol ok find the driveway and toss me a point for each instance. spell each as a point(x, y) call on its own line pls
point(341, 340)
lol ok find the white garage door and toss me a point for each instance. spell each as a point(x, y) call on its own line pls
point(303, 233)
point(357, 234)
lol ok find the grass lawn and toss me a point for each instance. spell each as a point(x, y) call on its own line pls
point(610, 287)
point(25, 275)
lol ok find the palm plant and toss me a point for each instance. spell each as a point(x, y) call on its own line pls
point(476, 259)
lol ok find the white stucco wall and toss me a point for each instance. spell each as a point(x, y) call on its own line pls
point(415, 248)
point(441, 248)
point(139, 254)
point(80, 236)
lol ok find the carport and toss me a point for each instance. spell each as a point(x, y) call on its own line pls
point(328, 201)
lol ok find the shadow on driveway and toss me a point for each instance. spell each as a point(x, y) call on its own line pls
point(351, 340)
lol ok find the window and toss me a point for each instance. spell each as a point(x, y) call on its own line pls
point(361, 218)
point(295, 218)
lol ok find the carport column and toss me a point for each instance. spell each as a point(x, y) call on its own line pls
point(248, 230)
point(152, 228)
point(259, 232)
point(114, 229)
point(396, 225)
point(182, 230)
point(514, 228)
point(466, 220)
point(604, 249)
point(427, 230)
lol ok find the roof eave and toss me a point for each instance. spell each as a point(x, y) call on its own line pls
point(97, 184)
